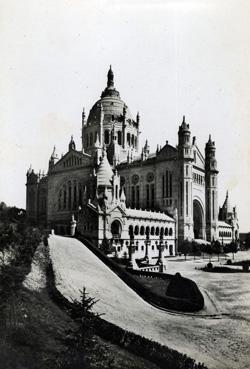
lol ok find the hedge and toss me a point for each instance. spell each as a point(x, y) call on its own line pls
point(172, 302)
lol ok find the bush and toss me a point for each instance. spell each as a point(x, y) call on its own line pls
point(209, 265)
point(229, 262)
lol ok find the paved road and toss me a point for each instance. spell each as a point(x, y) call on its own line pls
point(221, 343)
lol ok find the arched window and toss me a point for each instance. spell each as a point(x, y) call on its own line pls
point(132, 140)
point(170, 231)
point(64, 197)
point(136, 230)
point(91, 139)
point(119, 137)
point(147, 231)
point(116, 191)
point(162, 232)
point(152, 231)
point(142, 231)
point(166, 231)
point(60, 200)
point(131, 231)
point(106, 136)
point(70, 194)
point(128, 138)
point(157, 231)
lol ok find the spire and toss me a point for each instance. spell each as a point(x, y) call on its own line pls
point(123, 196)
point(83, 117)
point(54, 154)
point(110, 82)
point(138, 118)
point(97, 141)
point(184, 124)
point(29, 170)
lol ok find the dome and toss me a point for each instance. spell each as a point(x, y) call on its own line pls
point(104, 172)
point(113, 106)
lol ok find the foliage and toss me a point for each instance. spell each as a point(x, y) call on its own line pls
point(217, 248)
point(196, 248)
point(247, 241)
point(105, 246)
point(185, 248)
point(231, 247)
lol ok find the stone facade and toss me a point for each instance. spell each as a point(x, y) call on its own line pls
point(179, 182)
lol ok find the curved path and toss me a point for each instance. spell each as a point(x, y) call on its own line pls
point(219, 343)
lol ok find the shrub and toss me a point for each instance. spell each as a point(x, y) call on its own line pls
point(209, 265)
point(229, 262)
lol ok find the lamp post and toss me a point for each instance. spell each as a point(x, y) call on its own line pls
point(132, 262)
point(160, 261)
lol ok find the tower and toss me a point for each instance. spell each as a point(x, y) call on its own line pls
point(185, 158)
point(211, 174)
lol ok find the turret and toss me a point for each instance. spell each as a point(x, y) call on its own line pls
point(124, 125)
point(83, 125)
point(186, 176)
point(145, 151)
point(53, 159)
point(211, 173)
point(184, 144)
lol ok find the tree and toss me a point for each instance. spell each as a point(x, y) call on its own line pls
point(208, 250)
point(79, 340)
point(233, 248)
point(216, 248)
point(185, 248)
point(196, 248)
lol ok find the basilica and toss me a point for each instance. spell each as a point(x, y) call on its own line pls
point(111, 189)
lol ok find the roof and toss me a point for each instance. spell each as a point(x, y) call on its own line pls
point(104, 172)
point(223, 224)
point(111, 103)
point(153, 215)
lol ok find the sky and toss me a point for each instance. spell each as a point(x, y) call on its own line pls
point(170, 58)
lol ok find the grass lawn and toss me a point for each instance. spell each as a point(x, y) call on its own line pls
point(156, 285)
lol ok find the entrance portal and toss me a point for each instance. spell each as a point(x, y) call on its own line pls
point(198, 218)
point(116, 229)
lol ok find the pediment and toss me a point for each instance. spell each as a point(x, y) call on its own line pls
point(167, 152)
point(72, 160)
point(116, 209)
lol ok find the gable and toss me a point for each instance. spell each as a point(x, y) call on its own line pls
point(167, 152)
point(73, 160)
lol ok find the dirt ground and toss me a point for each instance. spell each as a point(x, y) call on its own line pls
point(219, 336)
